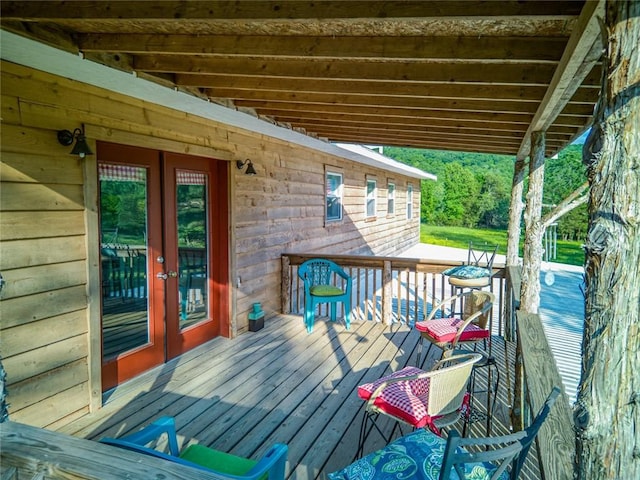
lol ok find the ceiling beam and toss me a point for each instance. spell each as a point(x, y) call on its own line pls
point(583, 51)
point(480, 105)
point(289, 116)
point(385, 112)
point(460, 49)
point(364, 87)
point(400, 71)
point(279, 10)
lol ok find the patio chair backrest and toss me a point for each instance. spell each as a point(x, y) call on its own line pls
point(448, 383)
point(319, 271)
point(502, 451)
point(482, 257)
point(478, 301)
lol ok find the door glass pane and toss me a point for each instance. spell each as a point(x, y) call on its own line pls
point(123, 229)
point(191, 208)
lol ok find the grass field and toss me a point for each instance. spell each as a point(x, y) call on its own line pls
point(570, 253)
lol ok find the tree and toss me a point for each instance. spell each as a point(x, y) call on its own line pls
point(460, 192)
point(607, 413)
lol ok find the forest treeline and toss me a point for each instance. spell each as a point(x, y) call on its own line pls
point(473, 189)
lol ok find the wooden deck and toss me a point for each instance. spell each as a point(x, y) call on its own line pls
point(276, 385)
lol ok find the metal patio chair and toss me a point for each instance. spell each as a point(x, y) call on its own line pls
point(422, 455)
point(433, 399)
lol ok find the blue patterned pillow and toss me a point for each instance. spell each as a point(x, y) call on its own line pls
point(467, 272)
point(417, 456)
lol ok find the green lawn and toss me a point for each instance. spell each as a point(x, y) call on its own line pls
point(570, 253)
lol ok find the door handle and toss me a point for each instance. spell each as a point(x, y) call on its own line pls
point(169, 274)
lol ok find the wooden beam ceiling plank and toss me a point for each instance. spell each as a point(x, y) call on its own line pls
point(577, 61)
point(364, 100)
point(406, 121)
point(334, 124)
point(517, 118)
point(486, 49)
point(278, 10)
point(398, 71)
point(530, 94)
point(408, 136)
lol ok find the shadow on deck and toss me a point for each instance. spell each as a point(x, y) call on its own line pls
point(278, 385)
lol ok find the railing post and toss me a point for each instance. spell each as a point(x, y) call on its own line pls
point(387, 292)
point(286, 281)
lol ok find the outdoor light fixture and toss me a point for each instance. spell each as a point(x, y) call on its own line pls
point(65, 137)
point(250, 170)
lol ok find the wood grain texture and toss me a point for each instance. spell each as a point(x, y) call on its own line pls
point(53, 455)
point(541, 375)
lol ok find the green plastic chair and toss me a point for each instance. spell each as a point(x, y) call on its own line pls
point(228, 466)
point(320, 278)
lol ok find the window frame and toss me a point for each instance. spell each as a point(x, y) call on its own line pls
point(373, 197)
point(409, 201)
point(391, 198)
point(340, 196)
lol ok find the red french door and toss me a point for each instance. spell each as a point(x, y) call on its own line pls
point(164, 262)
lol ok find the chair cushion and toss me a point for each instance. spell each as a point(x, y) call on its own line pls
point(325, 291)
point(217, 461)
point(405, 400)
point(444, 330)
point(467, 271)
point(417, 456)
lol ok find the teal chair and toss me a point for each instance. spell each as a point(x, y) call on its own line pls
point(322, 285)
point(270, 467)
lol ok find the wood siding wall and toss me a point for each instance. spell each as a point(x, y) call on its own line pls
point(49, 252)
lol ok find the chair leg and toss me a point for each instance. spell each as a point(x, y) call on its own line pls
point(333, 311)
point(347, 314)
point(309, 318)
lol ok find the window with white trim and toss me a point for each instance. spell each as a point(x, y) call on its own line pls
point(391, 198)
point(334, 189)
point(409, 202)
point(371, 198)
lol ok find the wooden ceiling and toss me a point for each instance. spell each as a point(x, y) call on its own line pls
point(474, 76)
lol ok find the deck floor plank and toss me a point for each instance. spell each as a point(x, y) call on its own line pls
point(279, 384)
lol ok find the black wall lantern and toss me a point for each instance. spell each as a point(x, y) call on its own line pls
point(65, 137)
point(250, 170)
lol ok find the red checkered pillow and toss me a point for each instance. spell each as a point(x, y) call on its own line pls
point(445, 329)
point(405, 400)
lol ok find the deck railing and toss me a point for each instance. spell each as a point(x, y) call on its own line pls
point(36, 453)
point(391, 289)
point(536, 374)
point(388, 289)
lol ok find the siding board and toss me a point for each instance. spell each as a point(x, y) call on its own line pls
point(39, 197)
point(40, 387)
point(44, 359)
point(16, 311)
point(31, 336)
point(29, 225)
point(41, 251)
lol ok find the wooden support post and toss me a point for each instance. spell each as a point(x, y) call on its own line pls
point(387, 292)
point(607, 413)
point(532, 258)
point(286, 282)
point(515, 213)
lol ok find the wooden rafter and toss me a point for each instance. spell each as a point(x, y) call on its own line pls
point(447, 74)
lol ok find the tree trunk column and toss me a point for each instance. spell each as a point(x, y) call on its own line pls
point(515, 213)
point(607, 413)
point(530, 293)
